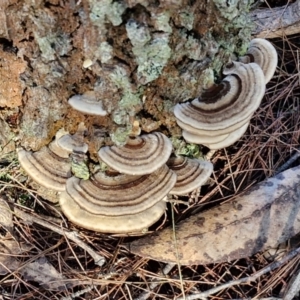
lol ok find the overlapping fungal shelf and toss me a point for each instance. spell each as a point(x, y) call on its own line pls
point(118, 203)
point(51, 166)
point(220, 116)
point(140, 155)
point(191, 173)
point(263, 53)
point(46, 168)
point(131, 194)
point(129, 197)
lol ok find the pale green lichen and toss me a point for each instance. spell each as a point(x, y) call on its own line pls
point(207, 78)
point(120, 78)
point(152, 58)
point(168, 106)
point(186, 19)
point(138, 34)
point(230, 9)
point(100, 10)
point(102, 167)
point(151, 55)
point(120, 117)
point(190, 47)
point(130, 102)
point(161, 21)
point(119, 137)
point(186, 149)
point(104, 52)
point(52, 45)
point(80, 169)
point(129, 105)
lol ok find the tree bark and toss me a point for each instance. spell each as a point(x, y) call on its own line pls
point(140, 57)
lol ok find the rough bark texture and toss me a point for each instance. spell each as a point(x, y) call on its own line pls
point(145, 56)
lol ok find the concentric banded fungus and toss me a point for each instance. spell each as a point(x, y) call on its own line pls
point(264, 54)
point(46, 168)
point(117, 203)
point(202, 139)
point(119, 224)
point(191, 174)
point(71, 143)
point(232, 138)
point(87, 103)
point(227, 106)
point(66, 144)
point(141, 155)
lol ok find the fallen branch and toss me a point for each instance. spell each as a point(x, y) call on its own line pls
point(276, 22)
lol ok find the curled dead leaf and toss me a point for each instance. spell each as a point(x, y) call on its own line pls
point(264, 216)
point(9, 249)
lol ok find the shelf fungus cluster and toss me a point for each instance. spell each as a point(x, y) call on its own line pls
point(50, 167)
point(131, 195)
point(221, 115)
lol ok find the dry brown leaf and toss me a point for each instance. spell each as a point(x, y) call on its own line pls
point(6, 216)
point(9, 249)
point(44, 273)
point(264, 216)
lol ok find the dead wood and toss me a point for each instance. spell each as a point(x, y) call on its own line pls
point(264, 216)
point(276, 22)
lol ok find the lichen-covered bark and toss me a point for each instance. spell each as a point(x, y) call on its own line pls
point(144, 57)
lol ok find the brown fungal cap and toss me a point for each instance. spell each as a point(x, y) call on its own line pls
point(71, 143)
point(87, 103)
point(227, 106)
point(141, 155)
point(46, 168)
point(191, 173)
point(263, 53)
point(65, 143)
point(114, 200)
point(117, 224)
point(202, 139)
point(229, 140)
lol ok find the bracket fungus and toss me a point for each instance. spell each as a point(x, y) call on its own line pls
point(117, 203)
point(222, 111)
point(87, 103)
point(141, 155)
point(263, 53)
point(51, 166)
point(229, 140)
point(46, 168)
point(191, 173)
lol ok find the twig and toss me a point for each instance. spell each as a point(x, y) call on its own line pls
point(72, 235)
point(78, 294)
point(177, 254)
point(269, 268)
point(166, 270)
point(290, 161)
point(293, 288)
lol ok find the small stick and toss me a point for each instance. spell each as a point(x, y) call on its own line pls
point(293, 288)
point(144, 296)
point(72, 235)
point(290, 161)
